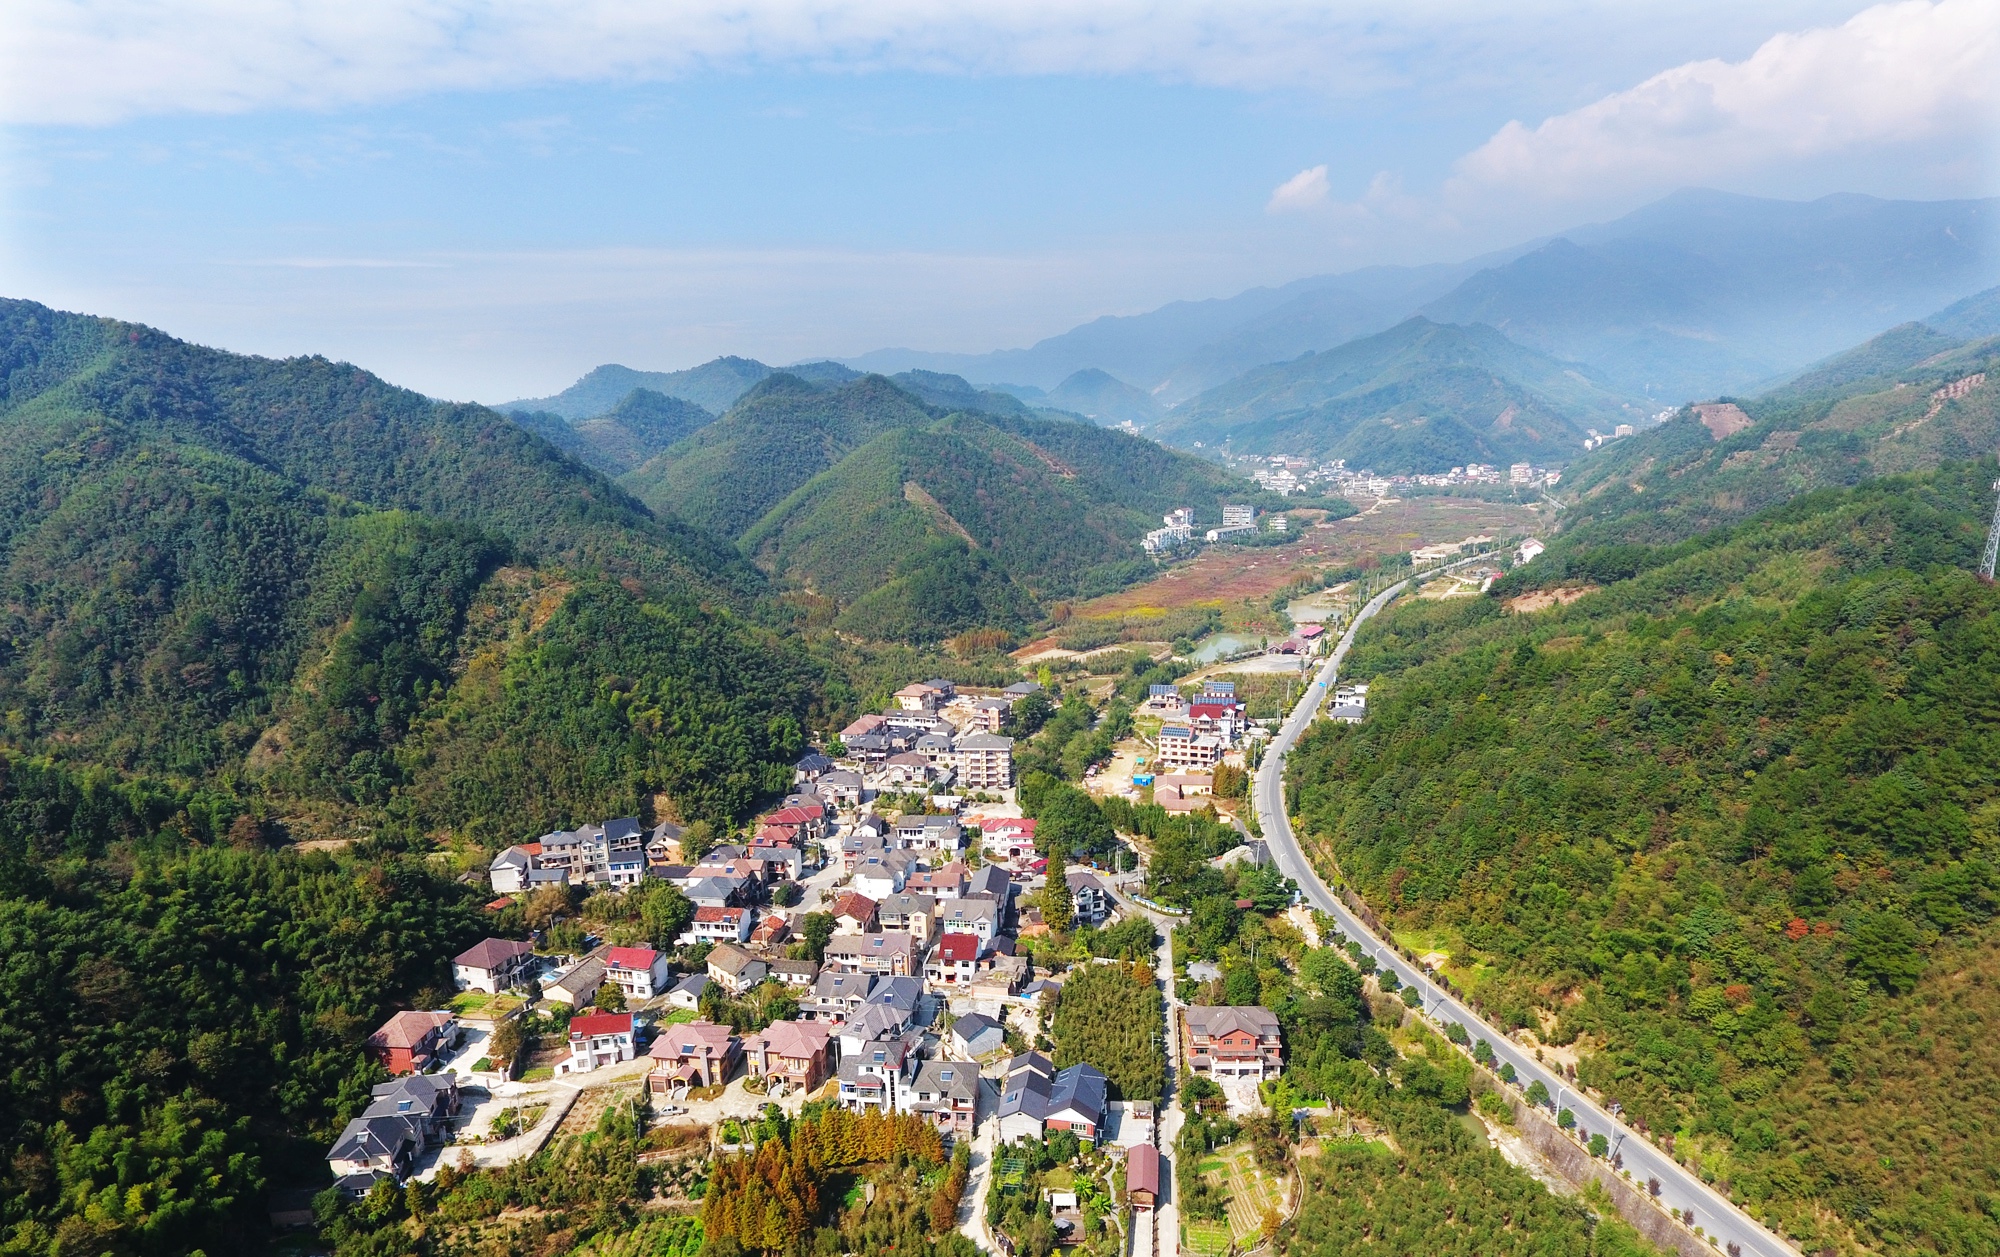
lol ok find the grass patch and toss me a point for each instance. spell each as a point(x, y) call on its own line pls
point(540, 1073)
point(679, 1017)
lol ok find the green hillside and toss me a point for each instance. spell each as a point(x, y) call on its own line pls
point(643, 424)
point(1907, 400)
point(271, 576)
point(714, 386)
point(781, 434)
point(1018, 511)
point(1420, 397)
point(922, 521)
point(1728, 827)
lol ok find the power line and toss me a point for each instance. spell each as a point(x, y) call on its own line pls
point(1986, 560)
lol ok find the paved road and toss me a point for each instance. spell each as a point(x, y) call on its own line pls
point(1679, 1187)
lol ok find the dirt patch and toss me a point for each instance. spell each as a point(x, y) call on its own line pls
point(1722, 419)
point(914, 494)
point(1229, 574)
point(1543, 599)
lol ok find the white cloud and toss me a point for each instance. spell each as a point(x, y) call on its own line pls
point(98, 61)
point(1303, 191)
point(1912, 75)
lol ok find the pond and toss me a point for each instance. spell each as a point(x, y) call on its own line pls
point(1221, 646)
point(1315, 609)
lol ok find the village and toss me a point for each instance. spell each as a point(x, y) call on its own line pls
point(864, 944)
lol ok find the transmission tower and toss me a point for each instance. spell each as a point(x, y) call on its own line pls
point(1992, 538)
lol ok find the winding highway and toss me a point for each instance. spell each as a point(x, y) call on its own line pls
point(1729, 1229)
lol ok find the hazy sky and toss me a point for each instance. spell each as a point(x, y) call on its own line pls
point(483, 200)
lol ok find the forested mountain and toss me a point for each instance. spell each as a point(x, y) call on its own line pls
point(641, 425)
point(714, 386)
point(1103, 397)
point(920, 515)
point(781, 434)
point(1728, 825)
point(1908, 399)
point(972, 520)
point(1419, 397)
point(278, 576)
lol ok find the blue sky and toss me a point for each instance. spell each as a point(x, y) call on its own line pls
point(484, 200)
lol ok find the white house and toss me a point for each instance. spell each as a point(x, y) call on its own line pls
point(597, 1040)
point(640, 972)
point(493, 965)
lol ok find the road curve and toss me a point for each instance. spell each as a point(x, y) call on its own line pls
point(1732, 1230)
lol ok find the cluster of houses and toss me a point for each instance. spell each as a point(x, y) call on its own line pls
point(934, 736)
point(910, 994)
point(1196, 731)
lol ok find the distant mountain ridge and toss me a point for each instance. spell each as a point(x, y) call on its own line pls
point(1698, 293)
point(1419, 397)
point(1910, 399)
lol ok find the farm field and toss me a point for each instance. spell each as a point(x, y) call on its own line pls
point(1228, 575)
point(1251, 1194)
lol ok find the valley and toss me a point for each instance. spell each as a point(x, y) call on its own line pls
point(850, 742)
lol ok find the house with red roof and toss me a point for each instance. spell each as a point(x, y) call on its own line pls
point(954, 962)
point(597, 1040)
point(853, 913)
point(1142, 1176)
point(410, 1041)
point(640, 972)
point(1013, 838)
point(722, 925)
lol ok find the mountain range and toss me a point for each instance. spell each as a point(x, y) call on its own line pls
point(1909, 399)
point(919, 507)
point(355, 601)
point(1418, 397)
point(1697, 295)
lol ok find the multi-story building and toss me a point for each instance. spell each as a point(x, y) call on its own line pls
point(493, 965)
point(640, 972)
point(792, 1054)
point(927, 833)
point(1182, 748)
point(985, 761)
point(1036, 1098)
point(404, 1119)
point(1235, 1042)
point(696, 1054)
point(611, 854)
point(597, 1040)
point(946, 1093)
point(410, 1041)
point(1239, 516)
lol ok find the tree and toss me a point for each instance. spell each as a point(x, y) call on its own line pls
point(1538, 1095)
point(1599, 1145)
point(817, 929)
point(665, 912)
point(1058, 909)
point(1507, 1073)
point(610, 998)
point(1885, 948)
point(547, 905)
point(1566, 1119)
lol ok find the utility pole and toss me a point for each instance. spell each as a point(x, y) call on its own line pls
point(1986, 560)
